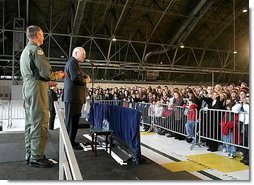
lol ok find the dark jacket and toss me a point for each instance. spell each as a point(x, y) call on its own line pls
point(52, 98)
point(74, 87)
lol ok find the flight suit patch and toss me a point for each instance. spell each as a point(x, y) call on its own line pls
point(40, 52)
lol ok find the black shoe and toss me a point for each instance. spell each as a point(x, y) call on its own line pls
point(214, 150)
point(246, 162)
point(75, 143)
point(181, 138)
point(87, 143)
point(146, 129)
point(161, 132)
point(189, 139)
point(41, 163)
point(77, 147)
point(27, 159)
point(170, 135)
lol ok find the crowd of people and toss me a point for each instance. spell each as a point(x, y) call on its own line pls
point(38, 76)
point(219, 97)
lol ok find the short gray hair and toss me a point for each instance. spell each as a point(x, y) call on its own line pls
point(31, 31)
point(76, 51)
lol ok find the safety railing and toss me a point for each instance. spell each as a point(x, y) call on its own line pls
point(4, 113)
point(207, 125)
point(17, 112)
point(12, 112)
point(162, 116)
point(68, 166)
point(110, 102)
point(220, 125)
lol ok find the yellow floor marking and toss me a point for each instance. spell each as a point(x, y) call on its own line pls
point(188, 166)
point(219, 162)
point(146, 133)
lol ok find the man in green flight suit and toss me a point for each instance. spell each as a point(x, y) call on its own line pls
point(36, 72)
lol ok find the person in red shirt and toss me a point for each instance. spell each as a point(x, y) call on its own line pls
point(230, 132)
point(191, 117)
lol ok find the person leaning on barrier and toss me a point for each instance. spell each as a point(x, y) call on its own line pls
point(74, 93)
point(36, 72)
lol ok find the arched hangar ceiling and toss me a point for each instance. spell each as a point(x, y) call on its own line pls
point(148, 35)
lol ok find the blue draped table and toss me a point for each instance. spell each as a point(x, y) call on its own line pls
point(123, 121)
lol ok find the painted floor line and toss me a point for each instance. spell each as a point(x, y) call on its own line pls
point(177, 160)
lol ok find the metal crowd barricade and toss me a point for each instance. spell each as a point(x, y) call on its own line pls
point(17, 112)
point(110, 102)
point(173, 119)
point(210, 126)
point(4, 113)
point(147, 115)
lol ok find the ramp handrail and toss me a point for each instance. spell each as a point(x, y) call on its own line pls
point(68, 166)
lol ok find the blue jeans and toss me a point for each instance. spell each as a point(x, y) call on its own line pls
point(230, 139)
point(189, 127)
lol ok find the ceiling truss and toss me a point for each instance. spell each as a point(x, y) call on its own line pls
point(127, 54)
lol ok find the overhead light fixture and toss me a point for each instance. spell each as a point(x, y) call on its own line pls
point(114, 38)
point(245, 10)
point(235, 52)
point(181, 45)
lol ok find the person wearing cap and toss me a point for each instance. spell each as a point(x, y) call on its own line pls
point(36, 73)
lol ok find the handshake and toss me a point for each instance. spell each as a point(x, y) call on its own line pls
point(60, 75)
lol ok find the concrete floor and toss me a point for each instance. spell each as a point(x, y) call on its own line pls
point(101, 167)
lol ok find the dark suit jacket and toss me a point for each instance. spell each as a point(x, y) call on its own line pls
point(52, 98)
point(74, 87)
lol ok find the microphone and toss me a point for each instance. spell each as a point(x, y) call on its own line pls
point(89, 61)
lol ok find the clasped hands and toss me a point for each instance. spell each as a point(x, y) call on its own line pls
point(60, 75)
point(86, 79)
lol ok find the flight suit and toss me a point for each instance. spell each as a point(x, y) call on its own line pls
point(36, 71)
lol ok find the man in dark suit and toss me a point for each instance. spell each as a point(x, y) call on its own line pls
point(74, 93)
point(52, 98)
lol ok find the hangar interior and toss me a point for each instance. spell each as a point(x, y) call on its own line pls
point(144, 41)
